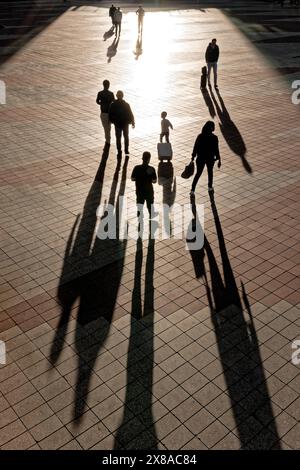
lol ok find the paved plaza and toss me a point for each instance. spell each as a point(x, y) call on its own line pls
point(145, 344)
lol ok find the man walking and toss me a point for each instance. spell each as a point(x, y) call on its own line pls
point(104, 99)
point(144, 176)
point(111, 13)
point(118, 21)
point(121, 116)
point(141, 13)
point(211, 57)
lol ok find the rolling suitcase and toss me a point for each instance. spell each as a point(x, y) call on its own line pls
point(203, 80)
point(164, 151)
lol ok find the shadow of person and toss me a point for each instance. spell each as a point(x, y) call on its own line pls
point(238, 348)
point(112, 49)
point(137, 428)
point(95, 266)
point(108, 34)
point(138, 47)
point(101, 169)
point(230, 132)
point(208, 102)
point(166, 179)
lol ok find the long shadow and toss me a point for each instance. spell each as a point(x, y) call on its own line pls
point(112, 49)
point(237, 346)
point(138, 46)
point(230, 132)
point(208, 102)
point(137, 429)
point(90, 298)
point(166, 179)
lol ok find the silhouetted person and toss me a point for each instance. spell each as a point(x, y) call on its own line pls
point(144, 176)
point(118, 21)
point(112, 11)
point(206, 152)
point(212, 57)
point(121, 116)
point(141, 13)
point(165, 126)
point(104, 99)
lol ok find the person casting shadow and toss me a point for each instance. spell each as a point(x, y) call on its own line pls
point(237, 346)
point(168, 182)
point(91, 297)
point(137, 428)
point(230, 132)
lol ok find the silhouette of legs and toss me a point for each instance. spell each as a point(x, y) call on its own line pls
point(200, 168)
point(106, 126)
point(214, 66)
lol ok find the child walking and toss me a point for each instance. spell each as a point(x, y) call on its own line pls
point(165, 125)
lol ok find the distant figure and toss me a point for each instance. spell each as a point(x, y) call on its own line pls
point(141, 13)
point(144, 176)
point(104, 99)
point(165, 125)
point(206, 151)
point(121, 116)
point(112, 11)
point(211, 57)
point(118, 21)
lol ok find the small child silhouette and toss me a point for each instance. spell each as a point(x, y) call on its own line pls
point(165, 125)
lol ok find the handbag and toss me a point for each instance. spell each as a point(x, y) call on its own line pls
point(188, 171)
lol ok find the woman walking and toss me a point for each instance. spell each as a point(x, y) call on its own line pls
point(206, 152)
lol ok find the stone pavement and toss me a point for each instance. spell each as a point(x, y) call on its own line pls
point(128, 344)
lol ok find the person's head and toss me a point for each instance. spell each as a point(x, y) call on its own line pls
point(164, 115)
point(120, 95)
point(208, 128)
point(213, 42)
point(106, 84)
point(146, 158)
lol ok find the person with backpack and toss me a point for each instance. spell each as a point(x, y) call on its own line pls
point(206, 152)
point(121, 116)
point(212, 56)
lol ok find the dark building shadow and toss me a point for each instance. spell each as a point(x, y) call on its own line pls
point(112, 49)
point(208, 102)
point(166, 179)
point(137, 428)
point(237, 346)
point(229, 130)
point(90, 297)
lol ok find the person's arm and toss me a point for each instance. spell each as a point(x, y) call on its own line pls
point(154, 176)
point(217, 152)
point(131, 116)
point(195, 149)
point(111, 114)
point(171, 125)
point(217, 53)
point(133, 174)
point(98, 99)
point(206, 54)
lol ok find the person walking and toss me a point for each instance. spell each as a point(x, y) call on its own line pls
point(121, 116)
point(144, 176)
point(118, 21)
point(206, 152)
point(111, 13)
point(212, 57)
point(165, 125)
point(141, 13)
point(104, 100)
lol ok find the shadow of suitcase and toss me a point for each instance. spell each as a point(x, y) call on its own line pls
point(164, 151)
